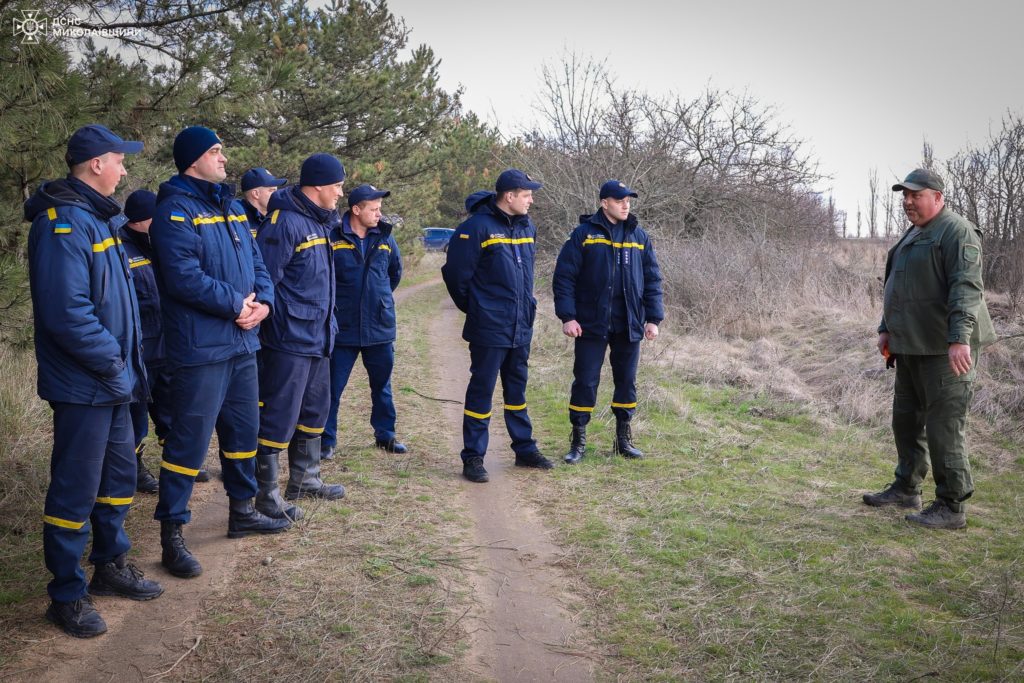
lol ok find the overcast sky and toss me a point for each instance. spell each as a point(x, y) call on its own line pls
point(862, 82)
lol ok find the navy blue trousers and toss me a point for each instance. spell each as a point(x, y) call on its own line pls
point(486, 364)
point(92, 482)
point(294, 393)
point(222, 396)
point(158, 408)
point(379, 361)
point(586, 372)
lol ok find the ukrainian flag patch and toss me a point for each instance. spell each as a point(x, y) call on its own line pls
point(62, 229)
point(179, 217)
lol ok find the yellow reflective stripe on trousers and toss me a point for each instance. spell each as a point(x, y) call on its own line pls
point(107, 500)
point(522, 407)
point(581, 409)
point(105, 244)
point(624, 405)
point(63, 523)
point(309, 430)
point(239, 455)
point(171, 467)
point(271, 444)
point(479, 416)
point(310, 243)
point(507, 240)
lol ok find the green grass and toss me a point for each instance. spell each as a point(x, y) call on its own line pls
point(739, 548)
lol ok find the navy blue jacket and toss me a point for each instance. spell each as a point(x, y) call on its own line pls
point(87, 334)
point(365, 306)
point(140, 261)
point(208, 263)
point(582, 282)
point(296, 250)
point(489, 275)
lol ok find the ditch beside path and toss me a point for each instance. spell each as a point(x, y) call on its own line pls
point(522, 627)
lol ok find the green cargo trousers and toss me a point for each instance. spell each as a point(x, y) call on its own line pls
point(929, 418)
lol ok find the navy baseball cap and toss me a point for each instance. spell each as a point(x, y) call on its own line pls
point(617, 190)
point(365, 193)
point(260, 177)
point(514, 179)
point(89, 142)
point(139, 206)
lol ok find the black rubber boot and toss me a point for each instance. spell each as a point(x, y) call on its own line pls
point(304, 472)
point(123, 579)
point(145, 482)
point(578, 445)
point(176, 557)
point(268, 498)
point(624, 441)
point(78, 618)
point(203, 476)
point(392, 446)
point(244, 519)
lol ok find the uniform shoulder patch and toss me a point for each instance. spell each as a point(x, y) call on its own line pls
point(62, 228)
point(177, 216)
point(972, 253)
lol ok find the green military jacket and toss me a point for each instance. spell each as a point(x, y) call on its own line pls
point(937, 297)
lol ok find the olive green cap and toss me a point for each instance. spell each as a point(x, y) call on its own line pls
point(921, 179)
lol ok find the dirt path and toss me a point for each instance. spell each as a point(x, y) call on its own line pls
point(522, 628)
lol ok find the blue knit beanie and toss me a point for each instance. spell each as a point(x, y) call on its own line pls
point(139, 206)
point(321, 169)
point(191, 144)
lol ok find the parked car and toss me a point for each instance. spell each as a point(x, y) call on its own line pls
point(436, 239)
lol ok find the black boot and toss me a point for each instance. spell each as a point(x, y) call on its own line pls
point(392, 445)
point(624, 441)
point(268, 498)
point(78, 618)
point(304, 472)
point(123, 579)
point(578, 446)
point(203, 475)
point(176, 557)
point(243, 520)
point(145, 482)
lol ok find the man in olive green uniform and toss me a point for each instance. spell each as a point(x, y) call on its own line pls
point(934, 323)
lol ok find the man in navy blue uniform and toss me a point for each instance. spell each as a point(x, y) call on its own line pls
point(295, 385)
point(607, 288)
point(257, 185)
point(489, 275)
point(87, 340)
point(368, 268)
point(138, 209)
point(214, 292)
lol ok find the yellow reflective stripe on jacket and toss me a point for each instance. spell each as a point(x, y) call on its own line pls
point(581, 409)
point(311, 243)
point(309, 430)
point(522, 407)
point(51, 213)
point(143, 262)
point(506, 240)
point(239, 455)
point(463, 236)
point(171, 467)
point(271, 444)
point(342, 245)
point(216, 219)
point(273, 216)
point(105, 244)
point(479, 416)
point(63, 523)
point(384, 246)
point(616, 245)
point(624, 405)
point(107, 500)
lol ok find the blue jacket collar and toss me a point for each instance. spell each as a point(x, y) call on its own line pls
point(292, 199)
